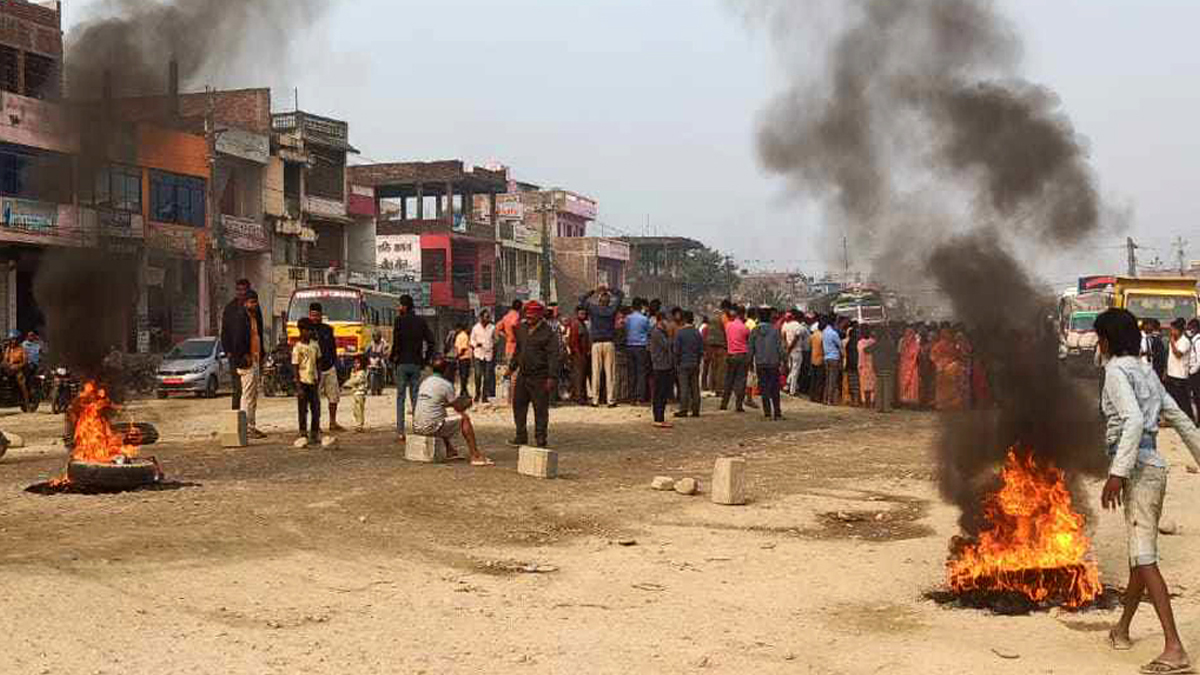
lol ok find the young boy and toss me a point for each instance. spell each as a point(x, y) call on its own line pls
point(305, 355)
point(1132, 402)
point(357, 384)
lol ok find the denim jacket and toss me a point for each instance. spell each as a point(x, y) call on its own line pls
point(1132, 401)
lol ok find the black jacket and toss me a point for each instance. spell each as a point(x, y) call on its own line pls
point(412, 341)
point(538, 354)
point(235, 332)
point(325, 339)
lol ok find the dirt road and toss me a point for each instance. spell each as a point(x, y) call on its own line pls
point(276, 560)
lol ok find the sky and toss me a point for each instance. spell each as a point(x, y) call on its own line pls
point(651, 108)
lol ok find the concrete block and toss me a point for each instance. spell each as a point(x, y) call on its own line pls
point(537, 462)
point(426, 449)
point(687, 486)
point(729, 481)
point(233, 429)
point(662, 483)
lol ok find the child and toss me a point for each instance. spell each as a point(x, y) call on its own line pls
point(1132, 402)
point(357, 383)
point(305, 355)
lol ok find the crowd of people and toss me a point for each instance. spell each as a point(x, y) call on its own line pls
point(1174, 356)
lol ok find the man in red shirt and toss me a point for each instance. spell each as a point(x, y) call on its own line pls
point(737, 338)
point(507, 327)
point(579, 349)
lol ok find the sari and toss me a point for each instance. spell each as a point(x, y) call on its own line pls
point(946, 357)
point(910, 375)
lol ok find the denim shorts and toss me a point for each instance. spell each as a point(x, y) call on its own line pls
point(1145, 490)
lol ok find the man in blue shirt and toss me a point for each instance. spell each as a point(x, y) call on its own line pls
point(637, 337)
point(831, 343)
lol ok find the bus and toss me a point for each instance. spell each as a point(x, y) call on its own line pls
point(355, 314)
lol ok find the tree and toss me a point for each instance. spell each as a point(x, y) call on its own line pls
point(709, 276)
point(761, 293)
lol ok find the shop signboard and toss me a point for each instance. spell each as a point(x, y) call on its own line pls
point(29, 216)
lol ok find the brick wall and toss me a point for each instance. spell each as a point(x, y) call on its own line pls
point(248, 109)
point(574, 269)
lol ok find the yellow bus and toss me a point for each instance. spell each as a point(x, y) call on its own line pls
point(355, 314)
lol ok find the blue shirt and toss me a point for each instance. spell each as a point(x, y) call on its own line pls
point(33, 351)
point(1132, 402)
point(637, 330)
point(831, 342)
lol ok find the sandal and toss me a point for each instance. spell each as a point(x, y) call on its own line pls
point(483, 462)
point(1159, 667)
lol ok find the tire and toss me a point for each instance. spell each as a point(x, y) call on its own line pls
point(210, 389)
point(112, 476)
point(137, 433)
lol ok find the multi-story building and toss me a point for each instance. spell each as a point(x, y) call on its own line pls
point(584, 263)
point(432, 245)
point(656, 268)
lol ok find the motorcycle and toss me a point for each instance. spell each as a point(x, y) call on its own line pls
point(10, 390)
point(276, 378)
point(63, 390)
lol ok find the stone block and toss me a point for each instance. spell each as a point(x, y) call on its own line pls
point(662, 483)
point(729, 481)
point(537, 462)
point(233, 429)
point(426, 449)
point(687, 486)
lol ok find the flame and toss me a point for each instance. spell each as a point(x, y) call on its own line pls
point(95, 439)
point(1034, 543)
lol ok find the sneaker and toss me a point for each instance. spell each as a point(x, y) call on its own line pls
point(612, 405)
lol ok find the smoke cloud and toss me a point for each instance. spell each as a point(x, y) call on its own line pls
point(938, 161)
point(124, 48)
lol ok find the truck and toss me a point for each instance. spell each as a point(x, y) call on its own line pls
point(1077, 337)
point(1161, 298)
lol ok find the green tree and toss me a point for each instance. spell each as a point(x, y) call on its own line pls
point(710, 276)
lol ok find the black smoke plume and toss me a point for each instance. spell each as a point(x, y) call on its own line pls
point(126, 48)
point(937, 160)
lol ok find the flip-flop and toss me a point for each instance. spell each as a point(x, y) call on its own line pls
point(1121, 646)
point(1158, 667)
point(483, 462)
point(455, 458)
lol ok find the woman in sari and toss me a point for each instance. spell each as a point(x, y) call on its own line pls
point(910, 376)
point(926, 370)
point(946, 359)
point(866, 366)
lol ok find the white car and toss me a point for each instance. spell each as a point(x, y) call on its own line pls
point(196, 366)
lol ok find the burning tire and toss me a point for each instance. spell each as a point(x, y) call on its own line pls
point(137, 433)
point(134, 474)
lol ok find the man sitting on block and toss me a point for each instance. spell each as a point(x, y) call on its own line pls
point(431, 419)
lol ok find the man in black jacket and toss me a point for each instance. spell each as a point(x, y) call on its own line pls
point(328, 386)
point(536, 361)
point(245, 354)
point(412, 347)
point(235, 328)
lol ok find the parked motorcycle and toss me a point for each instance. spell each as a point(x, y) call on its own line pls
point(277, 377)
point(10, 390)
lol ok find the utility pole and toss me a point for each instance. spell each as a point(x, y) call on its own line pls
point(846, 259)
point(1132, 248)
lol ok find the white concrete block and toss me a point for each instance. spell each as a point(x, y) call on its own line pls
point(729, 481)
point(426, 449)
point(233, 429)
point(537, 462)
point(687, 486)
point(662, 483)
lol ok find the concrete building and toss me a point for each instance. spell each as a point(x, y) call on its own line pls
point(434, 246)
point(584, 263)
point(655, 268)
point(313, 240)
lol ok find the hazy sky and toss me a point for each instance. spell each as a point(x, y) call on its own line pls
point(651, 107)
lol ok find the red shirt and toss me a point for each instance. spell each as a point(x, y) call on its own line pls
point(736, 336)
point(508, 328)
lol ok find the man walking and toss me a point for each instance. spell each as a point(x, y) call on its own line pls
point(602, 312)
point(831, 349)
point(233, 327)
point(766, 352)
point(245, 354)
point(688, 347)
point(412, 347)
point(483, 347)
point(737, 338)
point(579, 348)
point(535, 365)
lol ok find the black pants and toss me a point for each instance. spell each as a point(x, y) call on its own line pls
point(768, 385)
point(816, 390)
point(736, 367)
point(528, 391)
point(464, 376)
point(1181, 392)
point(639, 366)
point(689, 390)
point(662, 391)
point(485, 380)
point(308, 402)
point(235, 381)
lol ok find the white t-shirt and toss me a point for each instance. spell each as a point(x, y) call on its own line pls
point(790, 331)
point(483, 341)
point(435, 393)
point(1177, 366)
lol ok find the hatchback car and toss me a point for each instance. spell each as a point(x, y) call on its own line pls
point(196, 366)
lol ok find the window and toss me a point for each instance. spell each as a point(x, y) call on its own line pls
point(41, 76)
point(485, 276)
point(177, 199)
point(433, 265)
point(117, 187)
point(35, 175)
point(327, 177)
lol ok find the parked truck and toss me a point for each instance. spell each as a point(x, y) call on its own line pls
point(1162, 298)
